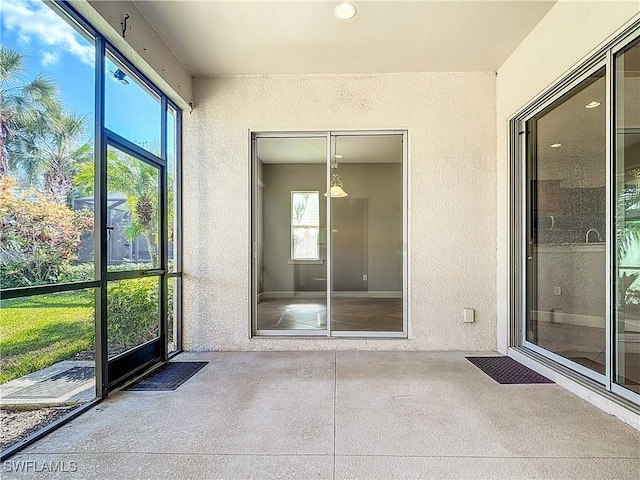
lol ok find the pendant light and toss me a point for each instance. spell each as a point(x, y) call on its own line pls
point(335, 187)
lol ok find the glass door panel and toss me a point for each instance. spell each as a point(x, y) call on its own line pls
point(289, 234)
point(627, 219)
point(134, 273)
point(367, 233)
point(132, 212)
point(566, 291)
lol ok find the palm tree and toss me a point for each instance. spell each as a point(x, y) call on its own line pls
point(139, 183)
point(22, 103)
point(54, 151)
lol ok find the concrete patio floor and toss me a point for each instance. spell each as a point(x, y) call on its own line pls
point(368, 415)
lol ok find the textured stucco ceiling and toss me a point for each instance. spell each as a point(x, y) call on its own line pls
point(303, 37)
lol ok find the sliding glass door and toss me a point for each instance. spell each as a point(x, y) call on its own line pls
point(566, 227)
point(576, 223)
point(627, 195)
point(290, 235)
point(367, 234)
point(348, 279)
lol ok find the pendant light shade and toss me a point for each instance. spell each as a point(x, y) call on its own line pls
point(336, 187)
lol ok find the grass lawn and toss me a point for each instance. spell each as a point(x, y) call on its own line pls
point(38, 331)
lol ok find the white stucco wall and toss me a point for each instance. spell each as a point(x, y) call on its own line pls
point(562, 39)
point(451, 122)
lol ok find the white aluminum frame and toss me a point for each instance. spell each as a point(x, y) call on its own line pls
point(254, 332)
point(518, 239)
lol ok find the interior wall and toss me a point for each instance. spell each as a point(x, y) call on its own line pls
point(450, 118)
point(279, 181)
point(379, 183)
point(564, 37)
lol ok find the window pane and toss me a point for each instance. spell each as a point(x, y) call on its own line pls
point(47, 362)
point(132, 110)
point(172, 180)
point(46, 218)
point(305, 219)
point(627, 143)
point(305, 242)
point(567, 212)
point(289, 222)
point(305, 208)
point(367, 235)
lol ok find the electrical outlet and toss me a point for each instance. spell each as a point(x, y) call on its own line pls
point(557, 290)
point(469, 315)
point(365, 278)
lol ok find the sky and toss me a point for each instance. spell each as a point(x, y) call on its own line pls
point(54, 49)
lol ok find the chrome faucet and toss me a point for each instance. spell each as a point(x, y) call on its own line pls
point(586, 237)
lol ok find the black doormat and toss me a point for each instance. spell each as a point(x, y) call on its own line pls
point(506, 370)
point(168, 377)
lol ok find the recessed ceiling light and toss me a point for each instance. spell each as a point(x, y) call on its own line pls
point(592, 105)
point(556, 145)
point(345, 11)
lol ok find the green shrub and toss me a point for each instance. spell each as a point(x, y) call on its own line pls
point(40, 237)
point(85, 272)
point(132, 312)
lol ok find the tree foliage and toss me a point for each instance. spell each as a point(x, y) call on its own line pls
point(25, 105)
point(40, 237)
point(139, 183)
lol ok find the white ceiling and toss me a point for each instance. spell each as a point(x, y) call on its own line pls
point(303, 37)
point(354, 149)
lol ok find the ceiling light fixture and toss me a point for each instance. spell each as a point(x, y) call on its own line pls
point(335, 187)
point(556, 145)
point(592, 105)
point(345, 11)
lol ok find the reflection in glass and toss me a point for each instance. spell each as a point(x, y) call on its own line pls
point(566, 226)
point(367, 235)
point(627, 194)
point(132, 110)
point(133, 212)
point(290, 233)
point(133, 313)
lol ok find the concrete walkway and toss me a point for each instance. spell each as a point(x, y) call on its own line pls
point(367, 415)
point(64, 383)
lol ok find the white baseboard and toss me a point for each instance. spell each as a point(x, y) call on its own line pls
point(571, 319)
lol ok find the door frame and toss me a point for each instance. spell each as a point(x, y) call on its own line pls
point(125, 365)
point(253, 331)
point(518, 237)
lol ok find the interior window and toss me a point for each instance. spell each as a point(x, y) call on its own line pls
point(305, 225)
